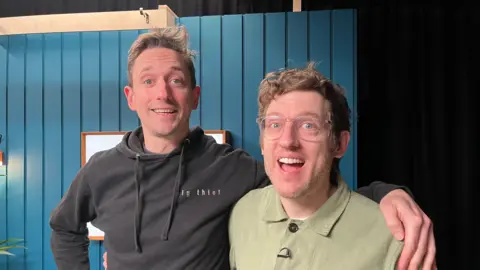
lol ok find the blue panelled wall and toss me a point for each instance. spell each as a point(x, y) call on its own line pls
point(53, 86)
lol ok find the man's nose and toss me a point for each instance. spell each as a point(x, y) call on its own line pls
point(162, 90)
point(289, 137)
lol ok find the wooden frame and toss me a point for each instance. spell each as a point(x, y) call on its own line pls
point(96, 238)
point(83, 22)
point(225, 134)
point(83, 141)
point(97, 234)
point(222, 135)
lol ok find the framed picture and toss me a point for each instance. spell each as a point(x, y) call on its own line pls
point(93, 142)
point(221, 136)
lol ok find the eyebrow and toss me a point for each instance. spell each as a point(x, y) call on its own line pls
point(147, 68)
point(174, 68)
point(310, 114)
point(301, 114)
point(177, 68)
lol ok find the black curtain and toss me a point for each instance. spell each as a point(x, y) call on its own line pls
point(182, 8)
point(418, 116)
point(417, 85)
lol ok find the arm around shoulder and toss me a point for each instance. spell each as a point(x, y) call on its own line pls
point(261, 177)
point(69, 240)
point(251, 171)
point(377, 190)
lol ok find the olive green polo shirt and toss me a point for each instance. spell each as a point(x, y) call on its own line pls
point(347, 232)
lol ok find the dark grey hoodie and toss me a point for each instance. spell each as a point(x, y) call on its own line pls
point(158, 211)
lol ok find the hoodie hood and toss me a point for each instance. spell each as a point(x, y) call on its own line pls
point(132, 146)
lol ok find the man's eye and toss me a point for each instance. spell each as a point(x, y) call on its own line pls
point(147, 81)
point(177, 81)
point(308, 125)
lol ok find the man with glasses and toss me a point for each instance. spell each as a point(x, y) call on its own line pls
point(308, 218)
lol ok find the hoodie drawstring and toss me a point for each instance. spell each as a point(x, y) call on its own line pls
point(139, 202)
point(176, 192)
point(138, 177)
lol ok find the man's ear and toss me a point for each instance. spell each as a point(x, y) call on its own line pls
point(129, 94)
point(196, 97)
point(261, 144)
point(261, 148)
point(342, 144)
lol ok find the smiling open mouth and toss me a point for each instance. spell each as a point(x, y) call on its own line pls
point(164, 111)
point(291, 164)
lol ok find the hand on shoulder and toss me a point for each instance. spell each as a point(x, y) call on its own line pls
point(409, 223)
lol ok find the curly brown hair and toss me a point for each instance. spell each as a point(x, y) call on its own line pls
point(307, 79)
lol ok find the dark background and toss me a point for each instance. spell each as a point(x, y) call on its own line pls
point(417, 86)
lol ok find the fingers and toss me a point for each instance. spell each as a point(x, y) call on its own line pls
point(429, 262)
point(413, 224)
point(423, 242)
point(393, 221)
point(105, 260)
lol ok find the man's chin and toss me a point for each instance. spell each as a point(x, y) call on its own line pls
point(166, 131)
point(290, 193)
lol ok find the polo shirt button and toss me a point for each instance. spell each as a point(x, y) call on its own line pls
point(292, 227)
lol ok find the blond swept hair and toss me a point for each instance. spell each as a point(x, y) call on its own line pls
point(281, 82)
point(173, 38)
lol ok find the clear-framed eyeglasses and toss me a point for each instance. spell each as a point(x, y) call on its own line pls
point(308, 128)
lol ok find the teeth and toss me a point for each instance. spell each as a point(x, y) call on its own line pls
point(291, 160)
point(163, 110)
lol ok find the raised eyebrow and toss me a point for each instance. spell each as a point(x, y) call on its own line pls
point(310, 114)
point(174, 68)
point(177, 69)
point(274, 114)
point(147, 68)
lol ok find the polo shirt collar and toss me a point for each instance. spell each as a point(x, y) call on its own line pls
point(323, 220)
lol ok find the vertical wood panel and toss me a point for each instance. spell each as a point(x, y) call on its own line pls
point(232, 77)
point(319, 35)
point(111, 92)
point(110, 98)
point(192, 24)
point(91, 103)
point(128, 119)
point(3, 146)
point(52, 120)
point(34, 151)
point(71, 100)
point(73, 72)
point(90, 81)
point(211, 95)
point(343, 73)
point(275, 41)
point(15, 140)
point(253, 69)
point(297, 39)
